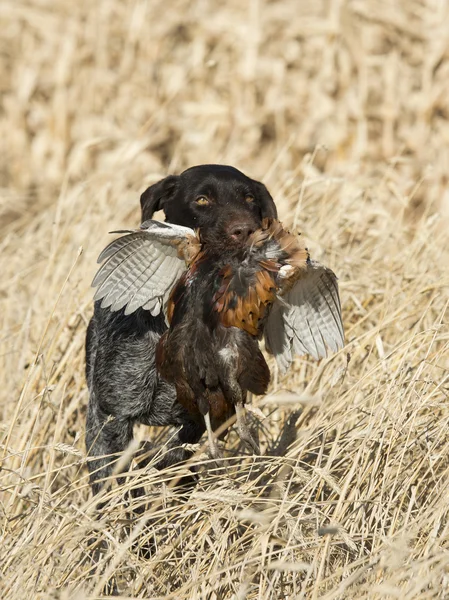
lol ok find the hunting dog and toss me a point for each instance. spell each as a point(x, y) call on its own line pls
point(124, 386)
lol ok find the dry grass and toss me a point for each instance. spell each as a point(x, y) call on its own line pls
point(342, 109)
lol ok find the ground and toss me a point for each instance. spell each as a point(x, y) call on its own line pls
point(341, 108)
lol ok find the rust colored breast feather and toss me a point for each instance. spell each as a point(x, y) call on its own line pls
point(245, 311)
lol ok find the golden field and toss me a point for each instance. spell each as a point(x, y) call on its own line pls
point(341, 108)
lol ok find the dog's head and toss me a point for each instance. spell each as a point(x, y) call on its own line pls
point(223, 203)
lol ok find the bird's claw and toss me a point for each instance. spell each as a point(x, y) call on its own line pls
point(213, 444)
point(244, 431)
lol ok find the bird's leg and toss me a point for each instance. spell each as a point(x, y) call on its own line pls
point(213, 446)
point(234, 394)
point(243, 429)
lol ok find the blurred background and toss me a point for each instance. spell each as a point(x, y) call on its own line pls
point(141, 88)
point(341, 108)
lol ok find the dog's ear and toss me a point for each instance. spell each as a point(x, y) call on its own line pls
point(155, 197)
point(266, 202)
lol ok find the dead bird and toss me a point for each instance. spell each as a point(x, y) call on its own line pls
point(219, 300)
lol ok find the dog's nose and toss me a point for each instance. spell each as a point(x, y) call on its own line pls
point(241, 231)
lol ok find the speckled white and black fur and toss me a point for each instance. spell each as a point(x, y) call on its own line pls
point(125, 389)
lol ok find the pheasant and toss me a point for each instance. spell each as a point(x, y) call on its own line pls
point(218, 305)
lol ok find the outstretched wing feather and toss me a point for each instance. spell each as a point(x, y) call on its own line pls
point(307, 319)
point(134, 279)
point(277, 340)
point(169, 271)
point(118, 251)
point(132, 265)
point(115, 246)
point(141, 268)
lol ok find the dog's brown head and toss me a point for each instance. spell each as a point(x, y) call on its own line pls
point(223, 203)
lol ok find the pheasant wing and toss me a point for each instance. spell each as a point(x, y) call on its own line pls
point(306, 319)
point(140, 268)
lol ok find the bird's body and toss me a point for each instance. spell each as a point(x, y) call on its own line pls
point(216, 314)
point(212, 365)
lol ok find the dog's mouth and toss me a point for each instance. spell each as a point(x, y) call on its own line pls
point(233, 236)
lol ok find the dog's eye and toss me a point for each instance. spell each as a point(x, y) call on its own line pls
point(249, 198)
point(202, 200)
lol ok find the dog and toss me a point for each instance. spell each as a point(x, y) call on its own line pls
point(124, 386)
